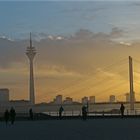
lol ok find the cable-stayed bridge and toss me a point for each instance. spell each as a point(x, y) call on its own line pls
point(104, 81)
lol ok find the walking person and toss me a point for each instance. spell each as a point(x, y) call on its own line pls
point(61, 109)
point(12, 115)
point(122, 108)
point(6, 116)
point(31, 114)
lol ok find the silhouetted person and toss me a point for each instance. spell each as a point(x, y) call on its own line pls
point(122, 108)
point(84, 112)
point(6, 116)
point(61, 109)
point(31, 114)
point(12, 115)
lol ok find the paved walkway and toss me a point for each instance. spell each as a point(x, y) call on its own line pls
point(96, 129)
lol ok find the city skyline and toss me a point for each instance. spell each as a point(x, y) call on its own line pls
point(69, 69)
point(60, 100)
point(75, 49)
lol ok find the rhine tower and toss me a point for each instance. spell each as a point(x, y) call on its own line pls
point(31, 52)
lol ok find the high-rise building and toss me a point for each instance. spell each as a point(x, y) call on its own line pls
point(58, 99)
point(68, 100)
point(112, 98)
point(4, 95)
point(92, 99)
point(127, 95)
point(31, 52)
point(84, 100)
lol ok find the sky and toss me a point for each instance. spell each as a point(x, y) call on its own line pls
point(69, 0)
point(65, 18)
point(82, 48)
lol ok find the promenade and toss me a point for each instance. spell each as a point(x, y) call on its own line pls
point(92, 129)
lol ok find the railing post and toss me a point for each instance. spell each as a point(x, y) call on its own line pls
point(103, 112)
point(135, 112)
point(127, 112)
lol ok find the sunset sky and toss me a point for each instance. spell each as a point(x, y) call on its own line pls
point(82, 48)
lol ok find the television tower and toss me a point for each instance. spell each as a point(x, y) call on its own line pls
point(31, 52)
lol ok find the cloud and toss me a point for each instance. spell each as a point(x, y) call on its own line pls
point(60, 61)
point(125, 43)
point(56, 71)
point(116, 32)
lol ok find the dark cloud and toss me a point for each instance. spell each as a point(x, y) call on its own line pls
point(72, 52)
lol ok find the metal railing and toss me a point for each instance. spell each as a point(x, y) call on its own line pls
point(94, 113)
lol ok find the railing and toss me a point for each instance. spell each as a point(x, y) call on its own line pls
point(95, 113)
point(65, 113)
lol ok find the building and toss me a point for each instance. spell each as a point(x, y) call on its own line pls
point(112, 99)
point(68, 100)
point(92, 99)
point(84, 100)
point(4, 95)
point(58, 99)
point(127, 95)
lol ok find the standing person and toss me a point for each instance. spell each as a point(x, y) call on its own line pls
point(6, 116)
point(87, 109)
point(31, 114)
point(12, 115)
point(84, 112)
point(61, 109)
point(122, 108)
